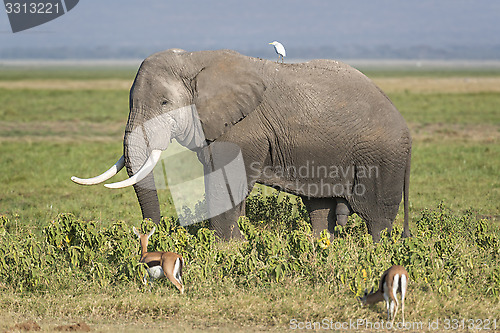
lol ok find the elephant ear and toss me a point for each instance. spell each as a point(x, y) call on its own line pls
point(225, 92)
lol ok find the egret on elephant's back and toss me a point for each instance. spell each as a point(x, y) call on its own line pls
point(280, 50)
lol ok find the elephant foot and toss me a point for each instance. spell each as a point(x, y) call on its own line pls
point(226, 232)
point(376, 227)
point(226, 224)
point(342, 220)
point(321, 213)
point(233, 233)
point(342, 210)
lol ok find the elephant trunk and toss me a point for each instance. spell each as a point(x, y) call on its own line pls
point(142, 178)
point(148, 198)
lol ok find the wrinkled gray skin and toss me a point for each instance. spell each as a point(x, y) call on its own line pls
point(318, 113)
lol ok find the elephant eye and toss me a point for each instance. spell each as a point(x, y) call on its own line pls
point(163, 103)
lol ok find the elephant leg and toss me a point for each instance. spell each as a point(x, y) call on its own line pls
point(226, 224)
point(226, 187)
point(375, 227)
point(322, 214)
point(342, 210)
point(224, 209)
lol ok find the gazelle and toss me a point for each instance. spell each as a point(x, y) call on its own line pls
point(393, 280)
point(160, 263)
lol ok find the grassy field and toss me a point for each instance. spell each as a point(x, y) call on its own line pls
point(58, 123)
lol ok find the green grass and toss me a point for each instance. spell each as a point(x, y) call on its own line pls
point(466, 174)
point(47, 136)
point(480, 108)
point(33, 106)
point(426, 72)
point(73, 132)
point(36, 185)
point(15, 73)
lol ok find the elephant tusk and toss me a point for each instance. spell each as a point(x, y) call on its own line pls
point(103, 177)
point(141, 174)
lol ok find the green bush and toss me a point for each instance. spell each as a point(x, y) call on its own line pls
point(445, 253)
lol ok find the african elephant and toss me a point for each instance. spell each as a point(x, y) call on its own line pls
point(320, 130)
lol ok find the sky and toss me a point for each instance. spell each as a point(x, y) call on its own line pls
point(249, 26)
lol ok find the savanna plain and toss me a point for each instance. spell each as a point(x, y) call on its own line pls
point(68, 254)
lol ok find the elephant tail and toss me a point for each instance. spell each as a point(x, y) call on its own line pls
point(406, 190)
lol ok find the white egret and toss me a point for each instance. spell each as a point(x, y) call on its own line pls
point(280, 50)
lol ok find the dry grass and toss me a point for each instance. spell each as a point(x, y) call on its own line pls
point(66, 84)
point(439, 84)
point(387, 84)
point(481, 133)
point(230, 309)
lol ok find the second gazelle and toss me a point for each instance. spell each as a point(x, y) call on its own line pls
point(393, 280)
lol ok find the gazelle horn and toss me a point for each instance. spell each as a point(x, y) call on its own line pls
point(141, 174)
point(103, 177)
